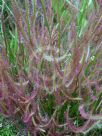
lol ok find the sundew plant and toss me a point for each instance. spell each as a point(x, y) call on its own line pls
point(51, 65)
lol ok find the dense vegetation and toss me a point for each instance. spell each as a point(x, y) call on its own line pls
point(51, 67)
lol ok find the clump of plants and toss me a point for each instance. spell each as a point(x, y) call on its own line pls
point(55, 88)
